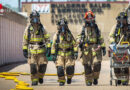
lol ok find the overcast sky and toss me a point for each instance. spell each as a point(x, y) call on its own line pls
point(14, 3)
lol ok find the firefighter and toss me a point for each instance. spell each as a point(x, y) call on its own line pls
point(92, 47)
point(35, 45)
point(64, 52)
point(121, 32)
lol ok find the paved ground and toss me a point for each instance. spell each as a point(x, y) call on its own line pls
point(50, 82)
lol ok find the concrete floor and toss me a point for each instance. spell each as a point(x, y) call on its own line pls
point(50, 82)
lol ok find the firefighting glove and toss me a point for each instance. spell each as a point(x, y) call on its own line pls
point(75, 55)
point(48, 52)
point(25, 53)
point(104, 51)
point(53, 57)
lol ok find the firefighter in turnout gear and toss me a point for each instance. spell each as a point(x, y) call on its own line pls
point(92, 47)
point(64, 52)
point(121, 33)
point(36, 44)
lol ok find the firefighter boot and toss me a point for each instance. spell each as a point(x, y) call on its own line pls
point(95, 81)
point(40, 80)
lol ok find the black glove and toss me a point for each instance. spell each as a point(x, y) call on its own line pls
point(53, 57)
point(25, 53)
point(48, 53)
point(75, 55)
point(104, 51)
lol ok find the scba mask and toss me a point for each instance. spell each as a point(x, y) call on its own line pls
point(35, 20)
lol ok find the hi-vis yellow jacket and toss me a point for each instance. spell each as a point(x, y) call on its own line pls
point(35, 39)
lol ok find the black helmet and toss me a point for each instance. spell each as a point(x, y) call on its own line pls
point(34, 14)
point(62, 21)
point(35, 17)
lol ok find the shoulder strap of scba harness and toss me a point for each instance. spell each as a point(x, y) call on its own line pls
point(30, 28)
point(96, 30)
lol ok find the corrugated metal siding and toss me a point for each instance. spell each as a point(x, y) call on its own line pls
point(11, 34)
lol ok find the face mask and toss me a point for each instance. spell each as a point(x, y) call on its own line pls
point(62, 29)
point(35, 20)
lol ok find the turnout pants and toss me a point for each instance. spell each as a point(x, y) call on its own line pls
point(65, 64)
point(38, 64)
point(92, 64)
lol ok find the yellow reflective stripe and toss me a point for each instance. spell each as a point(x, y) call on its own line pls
point(49, 45)
point(34, 80)
point(40, 51)
point(61, 38)
point(75, 49)
point(101, 37)
point(88, 81)
point(40, 76)
point(53, 51)
point(37, 32)
point(31, 28)
point(36, 39)
point(125, 14)
point(65, 45)
point(86, 45)
point(25, 47)
point(25, 37)
point(61, 80)
point(111, 35)
point(94, 53)
point(86, 52)
point(119, 30)
point(64, 54)
point(46, 36)
point(103, 45)
point(69, 76)
point(37, 51)
point(73, 42)
point(92, 39)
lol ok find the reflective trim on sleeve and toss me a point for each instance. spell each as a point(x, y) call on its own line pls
point(49, 45)
point(25, 47)
point(25, 37)
point(75, 49)
point(119, 30)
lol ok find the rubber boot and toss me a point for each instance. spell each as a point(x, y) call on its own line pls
point(88, 83)
point(69, 81)
point(34, 83)
point(95, 81)
point(40, 80)
point(61, 84)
